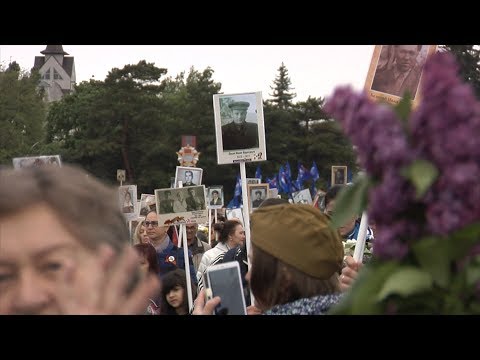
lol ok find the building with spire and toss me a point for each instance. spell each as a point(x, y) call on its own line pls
point(57, 72)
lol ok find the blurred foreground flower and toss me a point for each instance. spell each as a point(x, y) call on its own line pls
point(422, 191)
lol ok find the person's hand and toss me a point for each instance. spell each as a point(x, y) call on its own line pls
point(349, 273)
point(202, 308)
point(253, 310)
point(106, 285)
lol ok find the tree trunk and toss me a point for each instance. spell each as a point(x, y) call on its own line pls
point(126, 161)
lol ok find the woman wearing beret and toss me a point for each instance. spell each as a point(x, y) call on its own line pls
point(294, 267)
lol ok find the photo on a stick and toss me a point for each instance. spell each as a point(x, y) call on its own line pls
point(339, 175)
point(215, 197)
point(395, 70)
point(239, 127)
point(127, 200)
point(189, 176)
point(181, 205)
point(256, 194)
point(302, 197)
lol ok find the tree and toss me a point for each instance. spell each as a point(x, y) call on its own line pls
point(468, 57)
point(104, 124)
point(281, 91)
point(310, 112)
point(22, 113)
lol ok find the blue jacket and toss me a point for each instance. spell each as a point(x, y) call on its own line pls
point(172, 257)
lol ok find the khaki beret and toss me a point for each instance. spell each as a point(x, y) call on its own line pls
point(298, 235)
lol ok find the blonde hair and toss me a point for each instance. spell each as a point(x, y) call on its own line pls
point(137, 239)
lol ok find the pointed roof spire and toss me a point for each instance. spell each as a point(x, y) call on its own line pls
point(53, 49)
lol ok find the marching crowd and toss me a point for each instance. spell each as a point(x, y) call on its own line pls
point(65, 249)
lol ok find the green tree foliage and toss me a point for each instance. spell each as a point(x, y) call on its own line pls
point(22, 114)
point(134, 120)
point(282, 95)
point(468, 57)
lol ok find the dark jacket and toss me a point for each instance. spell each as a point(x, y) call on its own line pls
point(172, 257)
point(384, 81)
point(317, 305)
point(244, 136)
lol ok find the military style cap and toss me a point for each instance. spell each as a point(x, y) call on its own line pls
point(304, 239)
point(240, 105)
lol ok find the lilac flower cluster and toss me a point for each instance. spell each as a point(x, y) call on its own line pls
point(383, 151)
point(444, 130)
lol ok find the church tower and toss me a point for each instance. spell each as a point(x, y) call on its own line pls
point(57, 72)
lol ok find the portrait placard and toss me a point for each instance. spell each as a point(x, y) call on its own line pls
point(127, 200)
point(189, 176)
point(181, 205)
point(339, 175)
point(147, 204)
point(302, 197)
point(239, 127)
point(32, 161)
point(319, 200)
point(273, 193)
point(234, 213)
point(256, 194)
point(215, 197)
point(395, 69)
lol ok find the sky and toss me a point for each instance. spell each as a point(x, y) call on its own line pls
point(314, 70)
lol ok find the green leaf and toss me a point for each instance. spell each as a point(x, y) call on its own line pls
point(433, 254)
point(351, 201)
point(407, 280)
point(462, 240)
point(360, 299)
point(404, 107)
point(472, 273)
point(422, 174)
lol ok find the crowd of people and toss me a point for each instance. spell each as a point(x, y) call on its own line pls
point(76, 256)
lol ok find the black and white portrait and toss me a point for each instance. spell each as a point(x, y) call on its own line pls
point(239, 127)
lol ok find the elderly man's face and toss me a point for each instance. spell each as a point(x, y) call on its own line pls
point(406, 56)
point(239, 115)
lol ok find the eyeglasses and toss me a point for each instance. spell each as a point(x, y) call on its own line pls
point(153, 223)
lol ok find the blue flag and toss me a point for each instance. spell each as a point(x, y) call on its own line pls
point(288, 171)
point(303, 174)
point(315, 176)
point(283, 184)
point(238, 188)
point(258, 173)
point(272, 182)
point(314, 172)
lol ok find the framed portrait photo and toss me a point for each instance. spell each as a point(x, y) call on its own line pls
point(189, 176)
point(32, 161)
point(239, 127)
point(395, 70)
point(256, 194)
point(181, 205)
point(127, 200)
point(319, 200)
point(302, 197)
point(339, 175)
point(234, 213)
point(215, 197)
point(147, 204)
